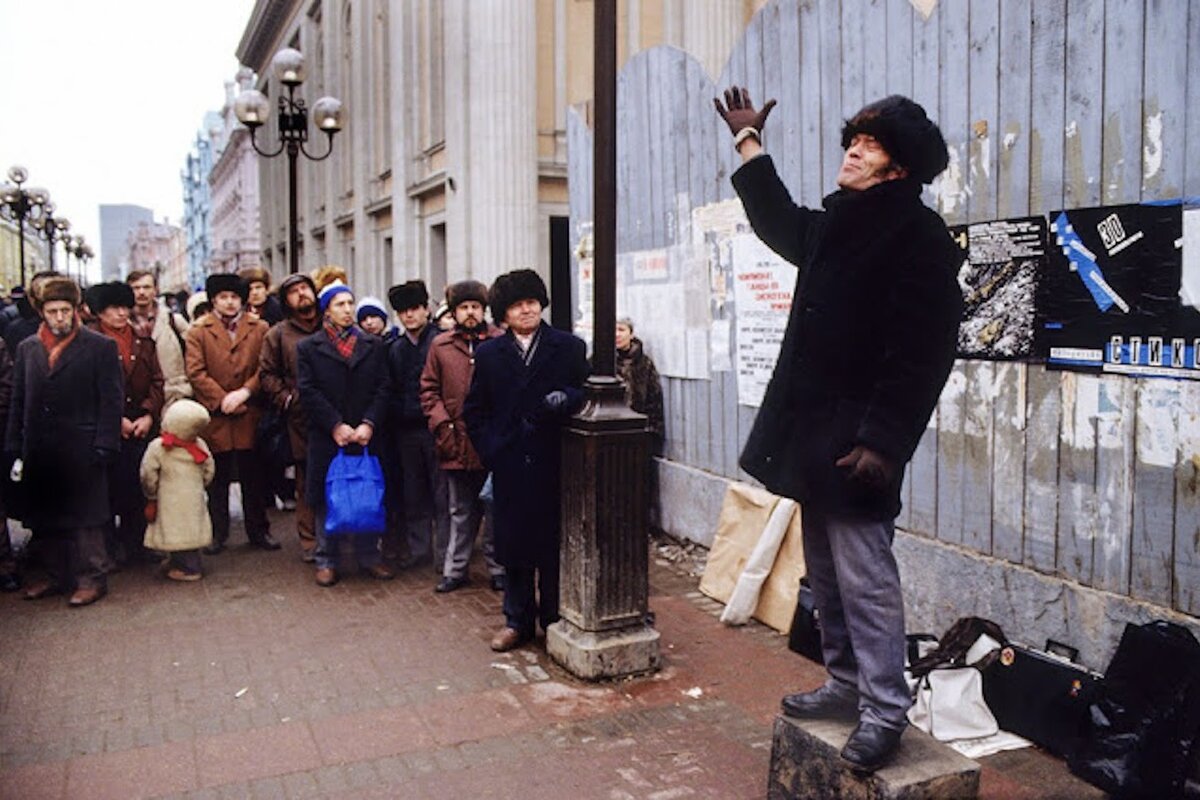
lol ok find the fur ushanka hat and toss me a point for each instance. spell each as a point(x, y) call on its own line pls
point(404, 296)
point(226, 282)
point(255, 275)
point(906, 133)
point(512, 287)
point(106, 295)
point(461, 292)
point(64, 289)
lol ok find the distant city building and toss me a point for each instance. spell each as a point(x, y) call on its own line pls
point(10, 254)
point(197, 200)
point(233, 183)
point(116, 222)
point(161, 248)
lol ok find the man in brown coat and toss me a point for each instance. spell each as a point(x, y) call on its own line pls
point(277, 374)
point(444, 385)
point(223, 353)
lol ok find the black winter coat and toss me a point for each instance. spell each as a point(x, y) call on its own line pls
point(334, 389)
point(65, 424)
point(870, 339)
point(406, 363)
point(519, 440)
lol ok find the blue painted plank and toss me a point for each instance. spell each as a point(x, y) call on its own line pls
point(1012, 136)
point(1085, 93)
point(1046, 118)
point(1124, 39)
point(1165, 105)
point(984, 106)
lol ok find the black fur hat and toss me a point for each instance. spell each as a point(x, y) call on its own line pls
point(404, 296)
point(463, 291)
point(512, 287)
point(106, 295)
point(226, 282)
point(906, 133)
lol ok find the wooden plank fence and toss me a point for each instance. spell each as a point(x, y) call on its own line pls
point(1045, 104)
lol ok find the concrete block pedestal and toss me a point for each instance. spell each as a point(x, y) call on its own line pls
point(592, 655)
point(805, 764)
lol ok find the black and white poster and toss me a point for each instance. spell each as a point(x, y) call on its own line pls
point(1002, 261)
point(1110, 300)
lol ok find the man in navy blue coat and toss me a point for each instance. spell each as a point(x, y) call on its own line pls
point(342, 375)
point(526, 384)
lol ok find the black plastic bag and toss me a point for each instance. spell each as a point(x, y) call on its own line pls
point(1141, 728)
point(805, 635)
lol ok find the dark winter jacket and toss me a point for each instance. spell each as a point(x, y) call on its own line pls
point(277, 378)
point(643, 389)
point(65, 424)
point(519, 439)
point(337, 390)
point(870, 338)
point(444, 386)
point(406, 362)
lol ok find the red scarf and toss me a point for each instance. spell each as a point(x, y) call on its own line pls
point(124, 340)
point(343, 339)
point(54, 345)
point(170, 440)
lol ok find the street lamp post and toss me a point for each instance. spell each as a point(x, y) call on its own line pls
point(54, 230)
point(253, 109)
point(75, 246)
point(18, 203)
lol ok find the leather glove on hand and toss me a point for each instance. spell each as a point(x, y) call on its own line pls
point(868, 467)
point(738, 112)
point(555, 401)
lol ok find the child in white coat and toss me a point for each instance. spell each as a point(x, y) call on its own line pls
point(177, 467)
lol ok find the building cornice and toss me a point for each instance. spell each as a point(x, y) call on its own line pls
point(263, 31)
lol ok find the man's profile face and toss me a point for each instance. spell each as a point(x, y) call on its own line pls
point(469, 314)
point(414, 319)
point(866, 164)
point(227, 303)
point(143, 291)
point(59, 316)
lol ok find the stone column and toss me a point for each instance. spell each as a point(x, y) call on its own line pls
point(501, 181)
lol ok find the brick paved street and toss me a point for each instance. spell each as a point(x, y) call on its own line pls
point(257, 683)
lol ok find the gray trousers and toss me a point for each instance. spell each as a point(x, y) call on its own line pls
point(856, 588)
point(466, 512)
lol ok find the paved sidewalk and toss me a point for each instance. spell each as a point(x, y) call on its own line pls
point(257, 683)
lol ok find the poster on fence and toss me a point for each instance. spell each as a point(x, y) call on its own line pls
point(1112, 296)
point(762, 288)
point(1002, 261)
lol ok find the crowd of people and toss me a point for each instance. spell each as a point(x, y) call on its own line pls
point(127, 416)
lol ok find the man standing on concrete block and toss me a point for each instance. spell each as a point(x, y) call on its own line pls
point(869, 343)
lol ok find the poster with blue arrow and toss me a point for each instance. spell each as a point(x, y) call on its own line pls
point(1109, 299)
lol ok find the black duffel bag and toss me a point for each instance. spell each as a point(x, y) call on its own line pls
point(1143, 724)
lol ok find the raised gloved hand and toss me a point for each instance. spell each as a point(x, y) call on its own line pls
point(555, 401)
point(739, 113)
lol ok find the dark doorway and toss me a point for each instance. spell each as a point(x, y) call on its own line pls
point(562, 312)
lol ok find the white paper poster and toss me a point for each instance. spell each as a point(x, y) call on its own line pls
point(762, 288)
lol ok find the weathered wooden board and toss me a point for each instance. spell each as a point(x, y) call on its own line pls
point(977, 456)
point(1044, 403)
point(1009, 423)
point(951, 456)
point(1077, 475)
point(1114, 485)
point(1153, 534)
point(1011, 137)
point(1187, 504)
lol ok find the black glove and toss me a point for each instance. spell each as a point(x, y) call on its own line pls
point(555, 401)
point(739, 113)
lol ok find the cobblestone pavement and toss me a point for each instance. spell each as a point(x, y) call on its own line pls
point(256, 683)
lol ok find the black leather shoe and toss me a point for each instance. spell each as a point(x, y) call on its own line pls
point(266, 542)
point(450, 584)
point(216, 548)
point(824, 703)
point(870, 746)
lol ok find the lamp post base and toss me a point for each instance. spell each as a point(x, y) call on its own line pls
point(593, 655)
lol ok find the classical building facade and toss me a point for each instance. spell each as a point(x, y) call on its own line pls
point(233, 184)
point(452, 163)
point(197, 197)
point(117, 221)
point(161, 248)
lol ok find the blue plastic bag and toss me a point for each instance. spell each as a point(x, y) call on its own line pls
point(354, 490)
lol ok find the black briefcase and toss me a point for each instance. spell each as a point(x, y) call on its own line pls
point(805, 636)
point(1042, 695)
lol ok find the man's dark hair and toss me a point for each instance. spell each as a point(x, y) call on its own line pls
point(137, 275)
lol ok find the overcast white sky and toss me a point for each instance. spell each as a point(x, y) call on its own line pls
point(101, 100)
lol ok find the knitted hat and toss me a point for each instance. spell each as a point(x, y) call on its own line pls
point(442, 310)
point(106, 295)
point(58, 289)
point(185, 418)
point(404, 296)
point(255, 274)
point(331, 291)
point(906, 133)
point(194, 303)
point(288, 283)
point(461, 292)
point(226, 282)
point(370, 305)
point(512, 287)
